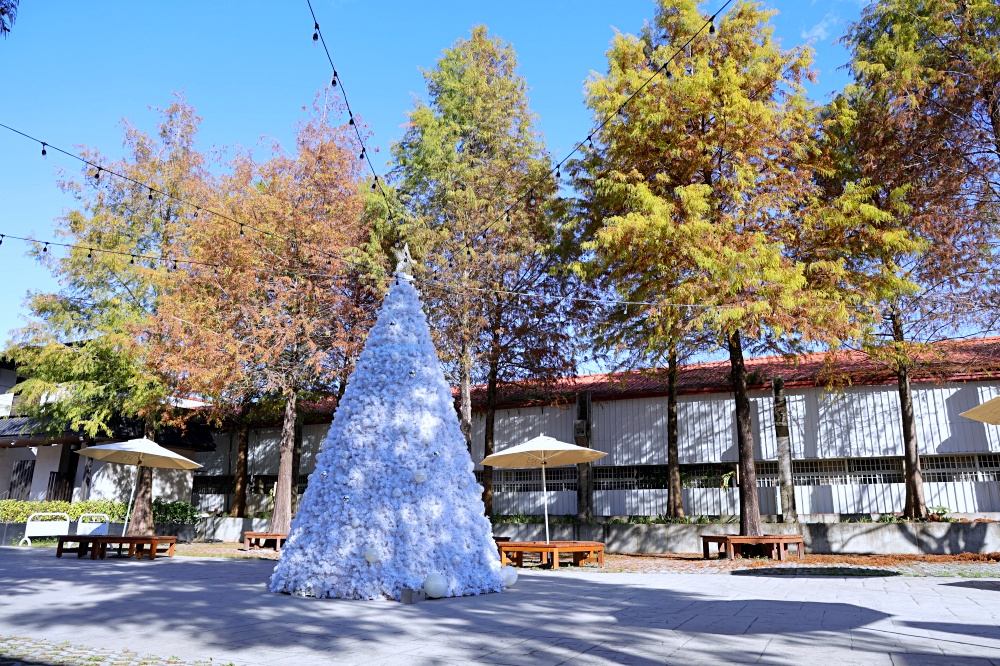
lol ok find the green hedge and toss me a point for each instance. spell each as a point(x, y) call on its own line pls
point(17, 511)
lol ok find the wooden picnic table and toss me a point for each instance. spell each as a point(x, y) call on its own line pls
point(582, 551)
point(733, 544)
point(258, 540)
point(97, 545)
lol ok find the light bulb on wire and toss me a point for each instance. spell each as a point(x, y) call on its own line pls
point(44, 152)
point(711, 31)
point(316, 32)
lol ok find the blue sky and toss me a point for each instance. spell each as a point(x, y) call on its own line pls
point(72, 70)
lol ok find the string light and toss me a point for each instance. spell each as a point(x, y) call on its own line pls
point(149, 187)
point(46, 248)
point(362, 154)
point(44, 152)
point(97, 175)
point(241, 230)
point(318, 34)
point(711, 30)
point(150, 194)
point(531, 198)
point(1, 239)
point(90, 253)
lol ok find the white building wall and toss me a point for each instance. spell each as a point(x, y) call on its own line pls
point(7, 459)
point(46, 461)
point(847, 423)
point(516, 426)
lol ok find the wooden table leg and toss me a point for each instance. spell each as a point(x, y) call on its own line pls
point(59, 548)
point(555, 558)
point(730, 550)
point(600, 557)
point(152, 549)
point(170, 551)
point(800, 549)
point(704, 548)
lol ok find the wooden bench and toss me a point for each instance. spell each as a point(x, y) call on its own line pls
point(258, 540)
point(733, 544)
point(97, 545)
point(582, 551)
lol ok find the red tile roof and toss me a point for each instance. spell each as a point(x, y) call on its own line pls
point(954, 361)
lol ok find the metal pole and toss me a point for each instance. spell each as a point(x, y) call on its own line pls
point(131, 497)
point(545, 503)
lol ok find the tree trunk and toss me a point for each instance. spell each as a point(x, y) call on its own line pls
point(141, 521)
point(296, 462)
point(465, 387)
point(675, 500)
point(491, 417)
point(465, 398)
point(240, 484)
point(281, 515)
point(584, 471)
point(749, 506)
point(915, 508)
point(785, 479)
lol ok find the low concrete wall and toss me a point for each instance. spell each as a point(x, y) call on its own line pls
point(218, 528)
point(821, 538)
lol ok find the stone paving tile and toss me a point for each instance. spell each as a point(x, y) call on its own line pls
point(24, 651)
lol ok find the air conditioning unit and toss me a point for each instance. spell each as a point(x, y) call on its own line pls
point(581, 432)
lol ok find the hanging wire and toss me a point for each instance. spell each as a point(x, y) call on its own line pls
point(197, 208)
point(175, 262)
point(337, 79)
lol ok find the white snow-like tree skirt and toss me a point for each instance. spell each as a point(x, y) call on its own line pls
point(393, 498)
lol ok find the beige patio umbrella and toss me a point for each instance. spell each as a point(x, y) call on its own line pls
point(543, 451)
point(140, 452)
point(988, 412)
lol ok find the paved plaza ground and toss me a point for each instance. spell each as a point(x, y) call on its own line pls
point(217, 610)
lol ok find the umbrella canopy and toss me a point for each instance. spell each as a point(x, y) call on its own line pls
point(988, 412)
point(142, 452)
point(542, 451)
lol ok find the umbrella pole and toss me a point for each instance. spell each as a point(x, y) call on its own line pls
point(131, 498)
point(545, 504)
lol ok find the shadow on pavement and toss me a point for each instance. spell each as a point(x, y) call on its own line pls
point(816, 571)
point(224, 605)
point(991, 585)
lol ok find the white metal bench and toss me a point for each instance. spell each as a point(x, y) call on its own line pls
point(36, 527)
point(44, 528)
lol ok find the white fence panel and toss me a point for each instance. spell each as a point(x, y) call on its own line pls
point(645, 502)
point(561, 503)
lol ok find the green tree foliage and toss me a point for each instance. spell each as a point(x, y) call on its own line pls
point(919, 129)
point(469, 154)
point(84, 350)
point(8, 14)
point(701, 192)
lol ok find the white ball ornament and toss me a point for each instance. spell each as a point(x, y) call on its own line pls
point(355, 523)
point(397, 493)
point(436, 586)
point(420, 476)
point(509, 575)
point(371, 555)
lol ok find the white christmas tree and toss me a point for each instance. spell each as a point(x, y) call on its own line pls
point(393, 498)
